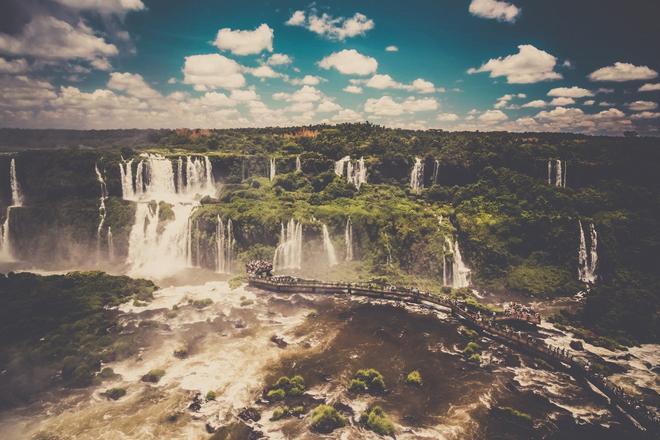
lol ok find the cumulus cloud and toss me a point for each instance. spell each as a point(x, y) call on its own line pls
point(570, 92)
point(589, 102)
point(493, 116)
point(561, 101)
point(620, 72)
point(349, 62)
point(538, 103)
point(327, 26)
point(279, 59)
point(353, 89)
point(447, 117)
point(241, 42)
point(212, 71)
point(304, 94)
point(383, 81)
point(307, 80)
point(642, 105)
point(391, 49)
point(133, 84)
point(494, 9)
point(262, 71)
point(386, 106)
point(327, 106)
point(504, 101)
point(529, 65)
point(53, 39)
point(646, 115)
point(13, 66)
point(104, 6)
point(650, 87)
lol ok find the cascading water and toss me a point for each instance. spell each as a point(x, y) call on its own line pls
point(348, 239)
point(557, 173)
point(288, 254)
point(458, 273)
point(328, 247)
point(6, 251)
point(224, 237)
point(273, 169)
point(356, 173)
point(417, 176)
point(126, 173)
point(588, 260)
point(111, 245)
point(436, 168)
point(298, 164)
point(159, 247)
point(102, 210)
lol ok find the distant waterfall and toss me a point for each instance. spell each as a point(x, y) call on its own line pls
point(161, 247)
point(273, 169)
point(6, 251)
point(102, 209)
point(436, 168)
point(417, 176)
point(111, 245)
point(288, 254)
point(557, 173)
point(588, 260)
point(224, 238)
point(356, 172)
point(126, 173)
point(348, 239)
point(458, 272)
point(328, 247)
point(298, 164)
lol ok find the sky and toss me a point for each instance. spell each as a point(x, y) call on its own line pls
point(588, 66)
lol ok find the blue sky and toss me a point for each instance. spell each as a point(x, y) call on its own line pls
point(525, 65)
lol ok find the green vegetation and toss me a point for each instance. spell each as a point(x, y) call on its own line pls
point(280, 412)
point(471, 348)
point(414, 378)
point(377, 421)
point(153, 376)
point(517, 415)
point(286, 387)
point(114, 393)
point(235, 282)
point(367, 380)
point(202, 303)
point(210, 395)
point(276, 394)
point(326, 419)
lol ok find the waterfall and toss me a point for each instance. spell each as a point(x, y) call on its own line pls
point(224, 238)
point(288, 254)
point(6, 251)
point(273, 169)
point(298, 164)
point(348, 239)
point(126, 173)
point(111, 245)
point(588, 261)
point(328, 247)
point(159, 248)
point(356, 172)
point(102, 209)
point(557, 173)
point(436, 168)
point(417, 176)
point(458, 273)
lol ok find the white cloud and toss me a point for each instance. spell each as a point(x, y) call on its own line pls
point(54, 39)
point(383, 81)
point(620, 72)
point(240, 42)
point(495, 9)
point(279, 59)
point(570, 92)
point(605, 104)
point(447, 117)
point(379, 81)
point(101, 64)
point(649, 87)
point(172, 80)
point(216, 99)
point(307, 80)
point(330, 27)
point(391, 49)
point(504, 101)
point(20, 92)
point(422, 86)
point(104, 6)
point(386, 106)
point(244, 95)
point(349, 62)
point(529, 65)
point(538, 103)
point(353, 89)
point(133, 84)
point(346, 115)
point(562, 101)
point(493, 116)
point(263, 71)
point(589, 102)
point(646, 115)
point(327, 106)
point(13, 66)
point(304, 94)
point(642, 105)
point(212, 71)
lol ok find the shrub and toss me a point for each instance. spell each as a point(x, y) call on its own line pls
point(377, 421)
point(475, 358)
point(210, 395)
point(280, 412)
point(372, 379)
point(115, 393)
point(326, 419)
point(515, 414)
point(297, 410)
point(294, 386)
point(414, 378)
point(357, 386)
point(153, 376)
point(471, 348)
point(276, 394)
point(201, 303)
point(107, 373)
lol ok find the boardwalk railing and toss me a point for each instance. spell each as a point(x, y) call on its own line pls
point(633, 408)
